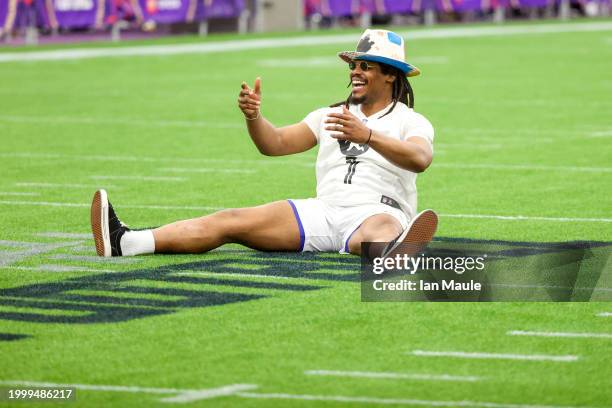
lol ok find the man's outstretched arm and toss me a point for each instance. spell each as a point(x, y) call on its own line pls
point(270, 140)
point(412, 154)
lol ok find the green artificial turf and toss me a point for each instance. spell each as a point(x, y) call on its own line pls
point(535, 107)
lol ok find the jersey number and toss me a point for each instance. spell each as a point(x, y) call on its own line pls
point(352, 164)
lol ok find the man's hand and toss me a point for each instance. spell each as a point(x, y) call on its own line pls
point(249, 100)
point(346, 126)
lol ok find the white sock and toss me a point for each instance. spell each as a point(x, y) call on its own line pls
point(137, 243)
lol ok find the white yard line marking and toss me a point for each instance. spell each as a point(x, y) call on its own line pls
point(96, 259)
point(44, 203)
point(209, 393)
point(67, 185)
point(208, 208)
point(387, 375)
point(206, 170)
point(75, 120)
point(391, 401)
point(301, 162)
point(495, 356)
point(87, 205)
point(12, 193)
point(601, 133)
point(55, 268)
point(239, 390)
point(67, 235)
point(183, 395)
point(604, 314)
point(526, 218)
point(306, 40)
point(138, 178)
point(559, 334)
point(91, 387)
point(327, 61)
point(263, 161)
point(524, 167)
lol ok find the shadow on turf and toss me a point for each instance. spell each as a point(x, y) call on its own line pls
point(220, 280)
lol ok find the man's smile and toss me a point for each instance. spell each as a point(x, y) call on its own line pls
point(358, 84)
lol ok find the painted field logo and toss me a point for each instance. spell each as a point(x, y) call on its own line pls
point(228, 277)
point(114, 297)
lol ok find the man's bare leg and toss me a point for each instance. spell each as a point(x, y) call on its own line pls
point(377, 228)
point(385, 228)
point(269, 227)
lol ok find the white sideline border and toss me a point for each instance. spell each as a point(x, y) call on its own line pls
point(495, 356)
point(240, 390)
point(257, 44)
point(604, 314)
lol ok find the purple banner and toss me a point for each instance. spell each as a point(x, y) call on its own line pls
point(339, 8)
point(122, 10)
point(166, 11)
point(459, 5)
point(4, 11)
point(390, 6)
point(8, 13)
point(207, 9)
point(400, 6)
point(343, 8)
point(530, 3)
point(75, 13)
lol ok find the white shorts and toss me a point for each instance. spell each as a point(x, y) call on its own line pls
point(325, 227)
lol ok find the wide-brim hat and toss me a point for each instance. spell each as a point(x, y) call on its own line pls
point(384, 47)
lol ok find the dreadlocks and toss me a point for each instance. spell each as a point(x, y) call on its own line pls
point(402, 91)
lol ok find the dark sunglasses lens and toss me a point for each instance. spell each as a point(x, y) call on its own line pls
point(362, 65)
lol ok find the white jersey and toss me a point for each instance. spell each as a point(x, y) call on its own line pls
point(350, 174)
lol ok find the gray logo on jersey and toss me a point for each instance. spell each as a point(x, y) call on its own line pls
point(349, 148)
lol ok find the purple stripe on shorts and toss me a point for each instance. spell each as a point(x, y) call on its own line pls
point(349, 238)
point(300, 226)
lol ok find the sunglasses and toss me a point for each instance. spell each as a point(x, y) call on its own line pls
point(363, 65)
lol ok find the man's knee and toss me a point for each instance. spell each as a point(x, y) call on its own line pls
point(382, 228)
point(231, 222)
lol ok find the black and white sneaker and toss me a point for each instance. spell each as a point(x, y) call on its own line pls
point(415, 238)
point(106, 227)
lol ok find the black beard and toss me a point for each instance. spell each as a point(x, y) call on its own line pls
point(356, 101)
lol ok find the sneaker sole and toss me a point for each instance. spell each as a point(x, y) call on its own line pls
point(420, 232)
point(99, 223)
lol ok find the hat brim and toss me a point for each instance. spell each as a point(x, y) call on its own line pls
point(408, 69)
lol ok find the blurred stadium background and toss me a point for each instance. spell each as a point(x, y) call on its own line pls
point(33, 21)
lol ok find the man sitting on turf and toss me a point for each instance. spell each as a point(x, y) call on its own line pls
point(370, 148)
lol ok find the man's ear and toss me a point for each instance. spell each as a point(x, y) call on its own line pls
point(390, 78)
